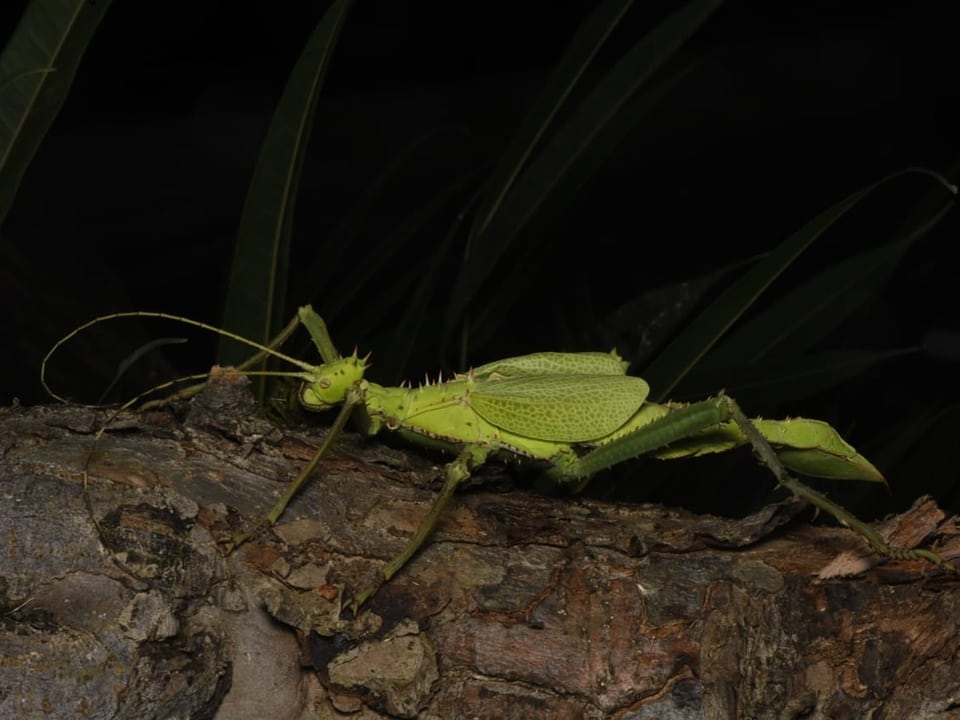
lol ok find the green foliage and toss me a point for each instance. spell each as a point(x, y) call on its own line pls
point(524, 182)
point(550, 154)
point(37, 68)
point(255, 305)
point(795, 322)
point(441, 272)
point(544, 157)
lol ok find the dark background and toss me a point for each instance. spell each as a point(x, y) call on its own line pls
point(133, 200)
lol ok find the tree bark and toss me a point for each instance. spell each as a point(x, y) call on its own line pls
point(119, 601)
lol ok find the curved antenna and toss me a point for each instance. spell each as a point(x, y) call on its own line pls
point(305, 367)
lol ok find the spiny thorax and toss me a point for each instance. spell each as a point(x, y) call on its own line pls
point(431, 409)
point(443, 412)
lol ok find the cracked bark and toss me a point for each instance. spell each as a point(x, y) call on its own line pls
point(522, 606)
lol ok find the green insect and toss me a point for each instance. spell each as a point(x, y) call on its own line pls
point(575, 413)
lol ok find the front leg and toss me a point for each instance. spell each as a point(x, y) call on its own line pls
point(456, 473)
point(270, 519)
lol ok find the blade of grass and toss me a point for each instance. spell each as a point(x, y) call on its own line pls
point(680, 357)
point(797, 321)
point(256, 294)
point(540, 178)
point(590, 37)
point(362, 280)
point(358, 221)
point(788, 379)
point(37, 68)
point(412, 292)
point(488, 316)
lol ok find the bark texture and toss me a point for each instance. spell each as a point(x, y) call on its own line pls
point(118, 600)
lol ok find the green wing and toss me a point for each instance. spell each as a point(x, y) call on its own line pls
point(555, 363)
point(562, 408)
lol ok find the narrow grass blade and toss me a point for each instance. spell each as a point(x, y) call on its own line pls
point(590, 37)
point(540, 178)
point(255, 302)
point(800, 319)
point(702, 335)
point(786, 379)
point(37, 68)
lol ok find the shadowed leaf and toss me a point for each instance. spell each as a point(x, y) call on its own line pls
point(682, 355)
point(543, 174)
point(37, 68)
point(255, 302)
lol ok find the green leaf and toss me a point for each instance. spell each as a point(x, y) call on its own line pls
point(365, 278)
point(487, 318)
point(256, 295)
point(37, 68)
point(391, 328)
point(808, 313)
point(590, 37)
point(683, 354)
point(786, 379)
point(538, 181)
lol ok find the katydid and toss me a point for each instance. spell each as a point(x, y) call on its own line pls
point(576, 413)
